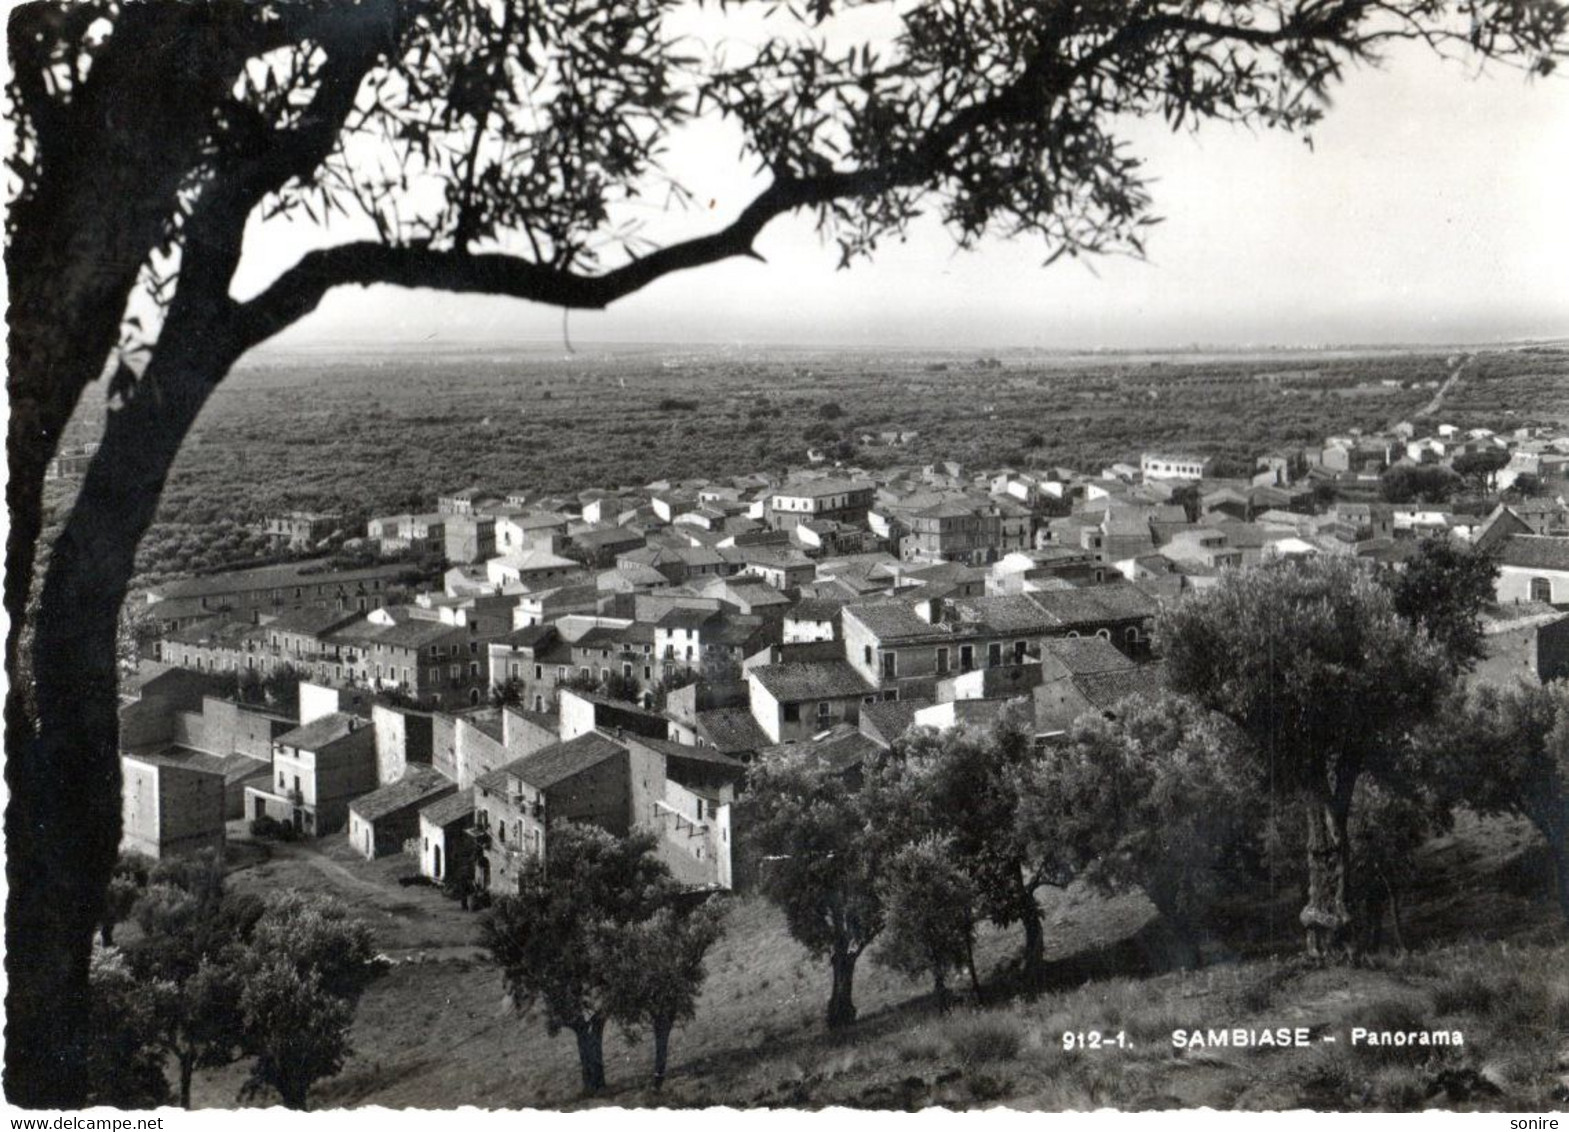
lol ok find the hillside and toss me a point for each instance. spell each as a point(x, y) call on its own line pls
point(1487, 959)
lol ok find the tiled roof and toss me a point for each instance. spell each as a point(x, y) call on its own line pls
point(310, 619)
point(213, 631)
point(811, 680)
point(731, 730)
point(1083, 655)
point(681, 618)
point(273, 577)
point(814, 609)
point(1094, 603)
point(816, 489)
point(894, 621)
point(319, 732)
point(1003, 614)
point(692, 753)
point(529, 637)
point(561, 761)
point(891, 718)
point(843, 748)
point(1535, 552)
point(454, 807)
point(419, 785)
point(1106, 689)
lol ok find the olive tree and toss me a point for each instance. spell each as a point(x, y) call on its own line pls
point(1506, 751)
point(560, 942)
point(488, 146)
point(1327, 682)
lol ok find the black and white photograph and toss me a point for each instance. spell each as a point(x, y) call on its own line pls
point(785, 555)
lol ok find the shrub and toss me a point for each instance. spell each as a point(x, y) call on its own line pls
point(919, 1045)
point(1395, 1014)
point(1464, 993)
point(270, 829)
point(977, 1039)
point(985, 1087)
point(264, 827)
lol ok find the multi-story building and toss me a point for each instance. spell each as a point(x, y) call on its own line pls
point(843, 501)
point(619, 784)
point(248, 594)
point(301, 530)
point(425, 532)
point(1170, 466)
point(317, 770)
point(170, 806)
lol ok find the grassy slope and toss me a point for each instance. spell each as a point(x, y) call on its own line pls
point(1488, 959)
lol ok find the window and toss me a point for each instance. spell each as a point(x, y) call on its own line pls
point(823, 710)
point(966, 657)
point(1542, 589)
point(942, 662)
point(473, 668)
point(866, 654)
point(994, 654)
point(792, 713)
point(1019, 649)
point(648, 672)
point(890, 665)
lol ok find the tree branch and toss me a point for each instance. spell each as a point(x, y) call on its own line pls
point(299, 290)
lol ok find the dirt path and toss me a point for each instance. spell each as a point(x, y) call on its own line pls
point(1432, 406)
point(332, 870)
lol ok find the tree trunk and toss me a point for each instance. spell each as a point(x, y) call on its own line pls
point(1394, 913)
point(187, 1066)
point(940, 988)
point(662, 1028)
point(1034, 960)
point(841, 1002)
point(109, 172)
point(63, 824)
point(969, 963)
point(1327, 916)
point(591, 1054)
point(1557, 833)
point(106, 932)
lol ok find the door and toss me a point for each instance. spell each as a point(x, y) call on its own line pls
point(436, 861)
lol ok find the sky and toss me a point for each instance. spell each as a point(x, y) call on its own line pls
point(1433, 207)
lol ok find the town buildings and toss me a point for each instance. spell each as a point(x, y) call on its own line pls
point(617, 656)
